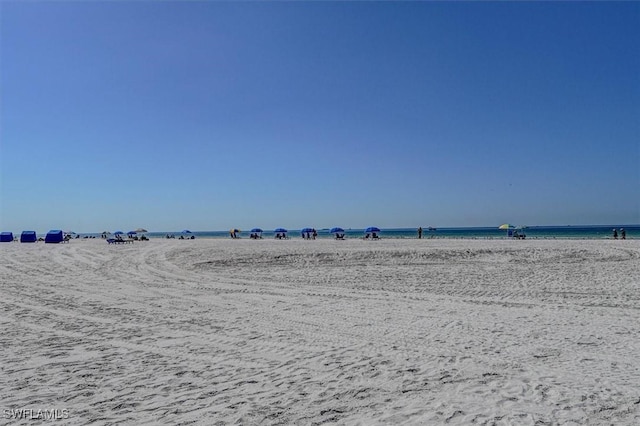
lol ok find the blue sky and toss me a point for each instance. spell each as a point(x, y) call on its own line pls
point(212, 115)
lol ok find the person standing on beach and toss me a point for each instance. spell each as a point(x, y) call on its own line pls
point(420, 232)
point(615, 234)
point(623, 234)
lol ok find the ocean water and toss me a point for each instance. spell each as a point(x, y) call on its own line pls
point(532, 232)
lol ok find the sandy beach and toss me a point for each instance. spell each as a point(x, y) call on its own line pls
point(213, 331)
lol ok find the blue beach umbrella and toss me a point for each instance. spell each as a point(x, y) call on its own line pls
point(372, 229)
point(336, 230)
point(186, 231)
point(131, 233)
point(305, 230)
point(256, 230)
point(118, 233)
point(281, 230)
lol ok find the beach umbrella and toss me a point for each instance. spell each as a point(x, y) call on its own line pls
point(280, 230)
point(118, 233)
point(507, 227)
point(372, 229)
point(131, 233)
point(141, 230)
point(256, 230)
point(336, 230)
point(305, 230)
point(186, 231)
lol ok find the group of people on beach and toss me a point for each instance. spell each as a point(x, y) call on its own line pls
point(309, 235)
point(182, 237)
point(623, 234)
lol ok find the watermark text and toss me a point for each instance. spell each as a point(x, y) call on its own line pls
point(35, 414)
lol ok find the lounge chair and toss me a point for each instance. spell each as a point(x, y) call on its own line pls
point(119, 241)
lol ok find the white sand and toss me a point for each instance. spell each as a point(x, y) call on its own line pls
point(309, 332)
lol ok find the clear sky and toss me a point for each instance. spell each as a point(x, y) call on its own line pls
point(211, 115)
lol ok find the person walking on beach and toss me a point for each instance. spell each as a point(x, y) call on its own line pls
point(615, 234)
point(420, 232)
point(623, 234)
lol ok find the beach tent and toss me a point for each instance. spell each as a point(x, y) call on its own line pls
point(54, 236)
point(6, 237)
point(28, 237)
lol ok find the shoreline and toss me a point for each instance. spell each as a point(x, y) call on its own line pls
point(531, 232)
